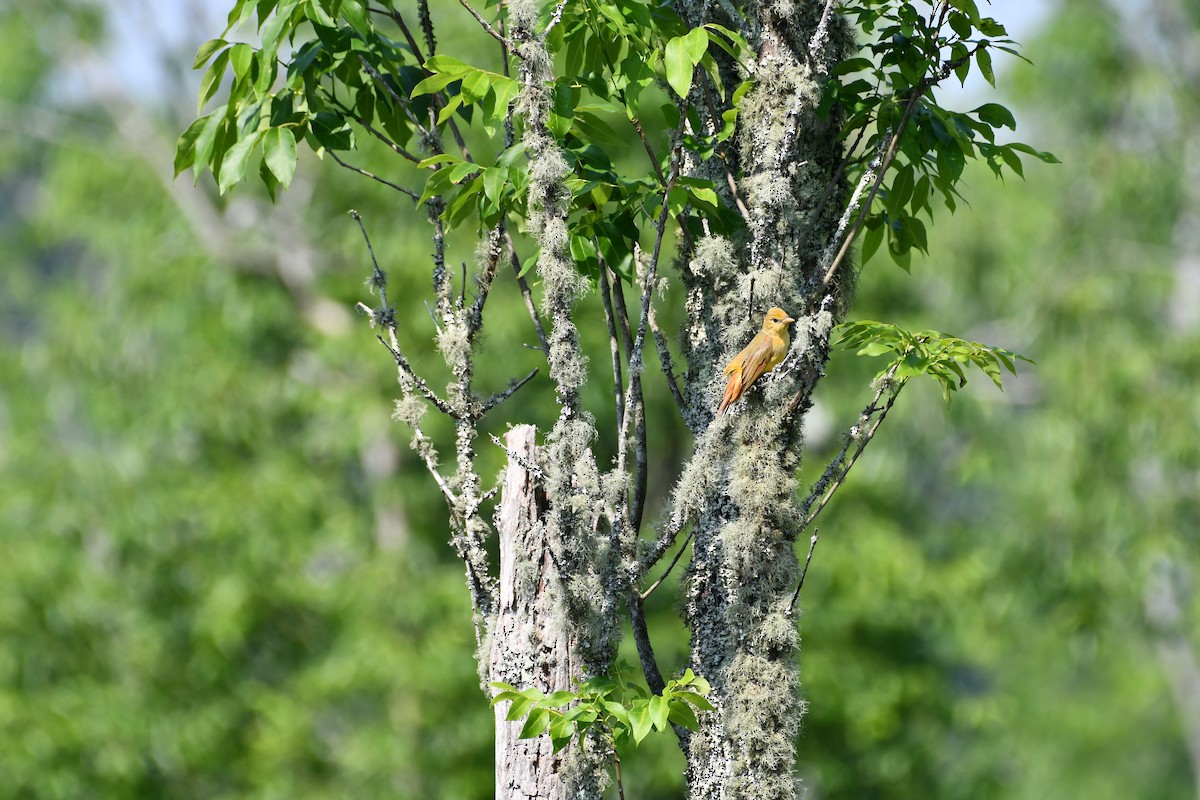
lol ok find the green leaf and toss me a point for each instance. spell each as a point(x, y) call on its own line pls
point(1045, 156)
point(206, 140)
point(695, 43)
point(440, 63)
point(996, 115)
point(639, 721)
point(212, 79)
point(960, 24)
point(435, 83)
point(538, 721)
point(185, 148)
point(463, 170)
point(983, 59)
point(206, 52)
point(560, 118)
point(561, 731)
point(353, 12)
point(316, 12)
point(989, 27)
point(331, 131)
point(901, 189)
point(557, 699)
point(233, 166)
point(269, 180)
point(682, 715)
point(519, 708)
point(279, 153)
point(241, 56)
point(679, 66)
point(698, 700)
point(273, 30)
point(659, 712)
point(871, 241)
point(618, 712)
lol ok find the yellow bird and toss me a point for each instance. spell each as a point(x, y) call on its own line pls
point(763, 354)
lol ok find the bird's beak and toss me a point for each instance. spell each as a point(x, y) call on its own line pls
point(788, 320)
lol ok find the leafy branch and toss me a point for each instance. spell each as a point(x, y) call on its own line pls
point(621, 710)
point(939, 355)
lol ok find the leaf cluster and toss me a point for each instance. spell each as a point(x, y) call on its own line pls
point(621, 709)
point(887, 92)
point(932, 353)
point(352, 73)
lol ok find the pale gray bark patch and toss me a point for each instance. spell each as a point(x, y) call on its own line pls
point(529, 647)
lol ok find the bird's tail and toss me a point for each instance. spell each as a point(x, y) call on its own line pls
point(733, 390)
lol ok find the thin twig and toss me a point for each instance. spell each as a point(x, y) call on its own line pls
point(436, 326)
point(880, 172)
point(670, 567)
point(636, 360)
point(495, 34)
point(529, 466)
point(637, 126)
point(374, 177)
point(555, 18)
point(421, 386)
point(613, 345)
point(380, 135)
point(530, 306)
point(889, 155)
point(400, 102)
point(412, 43)
point(665, 360)
point(860, 436)
point(500, 397)
point(827, 194)
point(424, 446)
point(484, 282)
point(812, 545)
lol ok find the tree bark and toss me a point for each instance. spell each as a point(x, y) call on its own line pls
point(530, 645)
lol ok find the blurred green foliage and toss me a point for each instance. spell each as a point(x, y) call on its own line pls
point(222, 574)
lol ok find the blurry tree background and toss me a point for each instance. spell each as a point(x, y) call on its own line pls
point(223, 574)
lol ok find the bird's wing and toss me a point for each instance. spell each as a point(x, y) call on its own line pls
point(757, 358)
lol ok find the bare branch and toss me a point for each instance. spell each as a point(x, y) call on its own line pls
point(500, 397)
point(530, 306)
point(613, 345)
point(419, 382)
point(425, 449)
point(812, 545)
point(556, 17)
point(879, 166)
point(665, 360)
point(641, 638)
point(374, 177)
point(401, 102)
point(670, 567)
point(513, 455)
point(378, 276)
point(483, 286)
point(426, 26)
point(860, 436)
point(495, 34)
point(821, 36)
point(637, 501)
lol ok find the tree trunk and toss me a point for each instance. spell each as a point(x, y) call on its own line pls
point(744, 569)
point(530, 644)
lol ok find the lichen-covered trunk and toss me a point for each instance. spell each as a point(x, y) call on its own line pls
point(744, 567)
point(530, 645)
